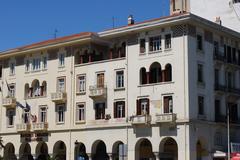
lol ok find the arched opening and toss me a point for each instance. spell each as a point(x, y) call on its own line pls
point(118, 151)
point(27, 92)
point(143, 76)
point(168, 149)
point(85, 57)
point(123, 49)
point(25, 152)
point(9, 152)
point(59, 151)
point(99, 151)
point(143, 150)
point(42, 151)
point(168, 73)
point(44, 88)
point(80, 152)
point(155, 74)
point(36, 88)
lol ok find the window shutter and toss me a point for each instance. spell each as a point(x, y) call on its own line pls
point(115, 109)
point(138, 107)
point(123, 108)
point(166, 105)
point(148, 106)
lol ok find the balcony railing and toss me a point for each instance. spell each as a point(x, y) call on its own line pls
point(9, 102)
point(219, 87)
point(219, 57)
point(166, 118)
point(59, 97)
point(23, 127)
point(233, 90)
point(141, 119)
point(42, 126)
point(98, 92)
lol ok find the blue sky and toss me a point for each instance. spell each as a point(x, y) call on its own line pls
point(28, 21)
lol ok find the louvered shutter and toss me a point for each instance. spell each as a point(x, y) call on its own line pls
point(138, 107)
point(115, 109)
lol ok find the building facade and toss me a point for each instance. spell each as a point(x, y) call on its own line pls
point(152, 90)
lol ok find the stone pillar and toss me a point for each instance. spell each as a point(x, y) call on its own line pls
point(110, 156)
point(89, 156)
point(81, 59)
point(110, 55)
point(156, 155)
point(89, 58)
point(148, 77)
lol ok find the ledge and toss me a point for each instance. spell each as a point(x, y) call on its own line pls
point(97, 62)
point(154, 84)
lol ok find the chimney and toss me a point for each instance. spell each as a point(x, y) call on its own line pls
point(130, 20)
point(218, 20)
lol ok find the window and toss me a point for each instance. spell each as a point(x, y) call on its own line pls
point(60, 113)
point(233, 112)
point(200, 105)
point(216, 76)
point(168, 44)
point(142, 45)
point(25, 116)
point(100, 80)
point(36, 64)
point(199, 43)
point(61, 59)
point(11, 90)
point(43, 114)
point(119, 109)
point(143, 106)
point(12, 68)
point(80, 112)
point(200, 73)
point(44, 61)
point(155, 43)
point(27, 65)
point(10, 117)
point(81, 86)
point(100, 111)
point(216, 48)
point(61, 84)
point(168, 104)
point(218, 139)
point(230, 79)
point(120, 79)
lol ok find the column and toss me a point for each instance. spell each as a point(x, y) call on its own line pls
point(110, 156)
point(89, 58)
point(156, 155)
point(89, 156)
point(81, 59)
point(110, 55)
point(148, 77)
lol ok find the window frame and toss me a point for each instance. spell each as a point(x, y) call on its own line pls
point(57, 85)
point(119, 114)
point(201, 108)
point(154, 42)
point(60, 64)
point(84, 81)
point(80, 106)
point(102, 110)
point(12, 67)
point(13, 111)
point(122, 80)
point(63, 106)
point(201, 47)
point(170, 104)
point(10, 93)
point(166, 45)
point(40, 120)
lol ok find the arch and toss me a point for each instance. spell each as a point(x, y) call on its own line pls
point(9, 152)
point(25, 152)
point(143, 76)
point(168, 149)
point(59, 151)
point(168, 73)
point(80, 151)
point(42, 151)
point(99, 151)
point(155, 74)
point(143, 150)
point(27, 92)
point(117, 146)
point(36, 88)
point(44, 88)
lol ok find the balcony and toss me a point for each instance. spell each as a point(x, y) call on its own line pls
point(141, 119)
point(166, 118)
point(59, 97)
point(219, 57)
point(23, 127)
point(40, 127)
point(9, 102)
point(219, 88)
point(233, 90)
point(97, 92)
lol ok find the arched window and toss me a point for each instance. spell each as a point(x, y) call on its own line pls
point(143, 76)
point(27, 91)
point(168, 73)
point(44, 88)
point(155, 73)
point(36, 88)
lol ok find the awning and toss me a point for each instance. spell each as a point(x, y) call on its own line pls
point(219, 154)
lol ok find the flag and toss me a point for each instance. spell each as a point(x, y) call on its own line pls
point(8, 86)
point(28, 107)
point(18, 104)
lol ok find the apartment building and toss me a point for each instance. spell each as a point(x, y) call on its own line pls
point(158, 89)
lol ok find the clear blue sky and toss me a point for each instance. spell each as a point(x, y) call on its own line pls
point(28, 21)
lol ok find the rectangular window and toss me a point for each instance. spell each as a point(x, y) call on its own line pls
point(81, 86)
point(168, 104)
point(119, 109)
point(61, 59)
point(60, 113)
point(36, 64)
point(27, 65)
point(200, 73)
point(12, 68)
point(61, 84)
point(120, 79)
point(26, 116)
point(143, 106)
point(199, 43)
point(10, 117)
point(200, 105)
point(100, 80)
point(80, 112)
point(44, 61)
point(142, 45)
point(155, 43)
point(100, 111)
point(216, 48)
point(11, 92)
point(168, 43)
point(43, 114)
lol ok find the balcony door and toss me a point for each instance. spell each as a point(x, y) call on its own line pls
point(100, 80)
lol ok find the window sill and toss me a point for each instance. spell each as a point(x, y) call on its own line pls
point(119, 89)
point(61, 67)
point(80, 122)
point(11, 75)
point(153, 84)
point(36, 97)
point(155, 52)
point(45, 69)
point(36, 71)
point(81, 93)
point(142, 54)
point(167, 49)
point(12, 126)
point(59, 123)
